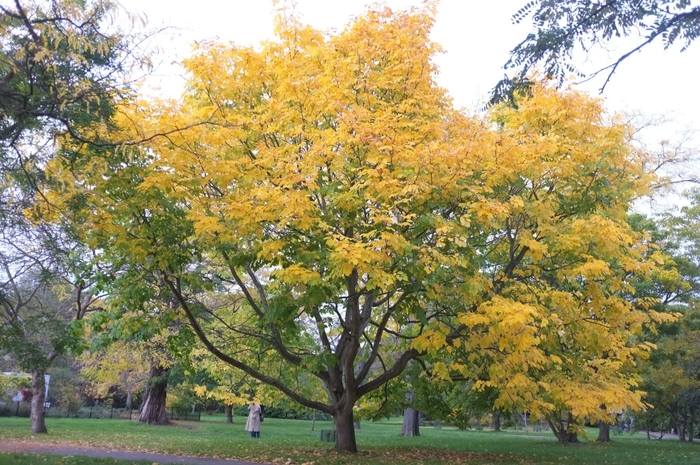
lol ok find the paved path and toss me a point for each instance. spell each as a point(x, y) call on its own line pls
point(32, 448)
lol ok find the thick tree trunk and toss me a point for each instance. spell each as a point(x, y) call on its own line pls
point(411, 418)
point(129, 399)
point(564, 432)
point(569, 438)
point(229, 413)
point(497, 420)
point(680, 430)
point(38, 399)
point(153, 410)
point(411, 422)
point(345, 431)
point(603, 432)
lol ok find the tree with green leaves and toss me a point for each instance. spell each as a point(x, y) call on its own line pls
point(671, 377)
point(60, 72)
point(564, 27)
point(60, 75)
point(41, 305)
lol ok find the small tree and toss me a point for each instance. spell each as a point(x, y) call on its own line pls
point(39, 318)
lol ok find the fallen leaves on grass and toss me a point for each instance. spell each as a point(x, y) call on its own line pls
point(391, 456)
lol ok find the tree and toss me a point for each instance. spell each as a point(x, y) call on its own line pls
point(411, 419)
point(121, 364)
point(672, 383)
point(60, 71)
point(671, 376)
point(227, 387)
point(153, 409)
point(41, 308)
point(349, 220)
point(562, 27)
point(121, 326)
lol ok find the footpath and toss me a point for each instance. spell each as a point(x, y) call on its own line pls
point(56, 449)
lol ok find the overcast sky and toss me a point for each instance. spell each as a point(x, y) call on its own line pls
point(476, 36)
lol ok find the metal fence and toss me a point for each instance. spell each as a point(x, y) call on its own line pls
point(23, 409)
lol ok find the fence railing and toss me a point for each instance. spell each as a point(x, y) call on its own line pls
point(23, 409)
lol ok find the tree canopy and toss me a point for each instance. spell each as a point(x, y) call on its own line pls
point(60, 70)
point(563, 27)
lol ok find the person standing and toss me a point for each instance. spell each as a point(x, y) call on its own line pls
point(253, 423)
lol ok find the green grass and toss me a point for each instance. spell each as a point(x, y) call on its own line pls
point(43, 459)
point(379, 443)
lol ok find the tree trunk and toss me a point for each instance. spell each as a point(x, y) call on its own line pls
point(680, 430)
point(603, 432)
point(497, 420)
point(313, 421)
point(129, 399)
point(564, 432)
point(411, 418)
point(38, 399)
point(229, 413)
point(411, 422)
point(345, 431)
point(523, 416)
point(153, 410)
point(569, 438)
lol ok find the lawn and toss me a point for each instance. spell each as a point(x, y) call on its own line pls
point(379, 443)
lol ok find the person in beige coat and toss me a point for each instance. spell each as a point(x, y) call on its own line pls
point(253, 423)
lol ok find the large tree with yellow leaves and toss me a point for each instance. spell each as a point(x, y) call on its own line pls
point(327, 214)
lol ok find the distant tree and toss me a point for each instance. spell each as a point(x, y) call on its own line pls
point(121, 364)
point(671, 377)
point(61, 74)
point(137, 349)
point(564, 26)
point(40, 308)
point(226, 386)
point(153, 409)
point(411, 417)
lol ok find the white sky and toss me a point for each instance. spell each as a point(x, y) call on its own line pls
point(476, 35)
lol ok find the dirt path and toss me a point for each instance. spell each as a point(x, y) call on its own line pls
point(58, 449)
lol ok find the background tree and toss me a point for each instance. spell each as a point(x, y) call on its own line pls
point(546, 312)
point(228, 387)
point(148, 329)
point(60, 74)
point(563, 27)
point(670, 377)
point(60, 71)
point(41, 307)
point(672, 382)
point(122, 365)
